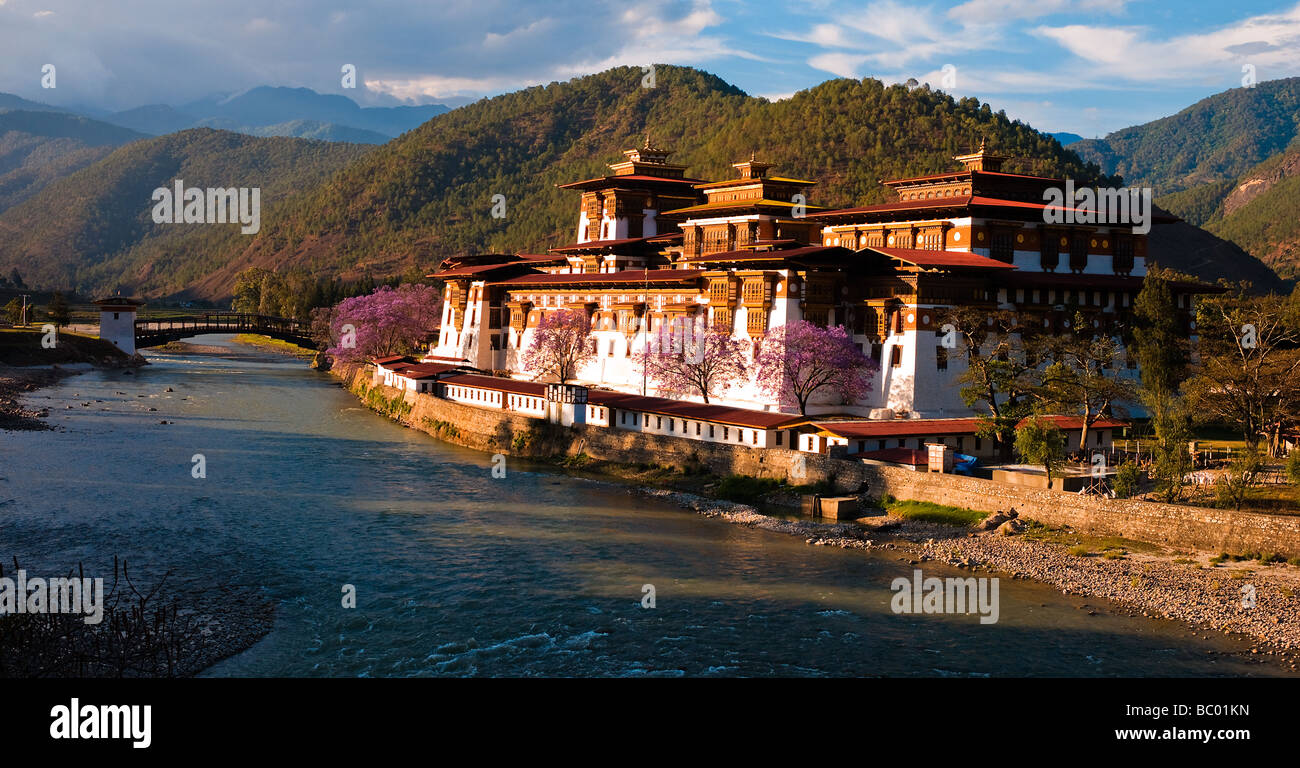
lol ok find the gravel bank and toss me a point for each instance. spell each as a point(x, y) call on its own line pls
point(1151, 585)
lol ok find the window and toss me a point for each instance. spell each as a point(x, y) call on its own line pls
point(862, 446)
point(755, 438)
point(697, 428)
point(1049, 251)
point(710, 430)
point(1002, 246)
point(1122, 260)
point(941, 358)
point(780, 438)
point(1079, 252)
point(977, 443)
point(726, 433)
point(896, 356)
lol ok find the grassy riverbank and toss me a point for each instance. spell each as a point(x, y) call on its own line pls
point(274, 345)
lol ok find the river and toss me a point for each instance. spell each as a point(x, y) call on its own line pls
point(457, 573)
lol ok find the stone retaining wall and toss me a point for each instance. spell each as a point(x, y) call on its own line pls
point(1176, 526)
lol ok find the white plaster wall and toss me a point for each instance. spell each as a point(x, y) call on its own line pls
point(118, 328)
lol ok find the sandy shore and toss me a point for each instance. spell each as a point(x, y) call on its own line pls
point(1181, 586)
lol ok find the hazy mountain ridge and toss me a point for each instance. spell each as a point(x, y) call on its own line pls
point(281, 111)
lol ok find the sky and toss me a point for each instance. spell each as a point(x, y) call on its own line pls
point(1084, 66)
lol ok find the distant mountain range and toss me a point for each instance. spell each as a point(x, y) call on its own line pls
point(262, 111)
point(40, 143)
point(1229, 163)
point(1066, 139)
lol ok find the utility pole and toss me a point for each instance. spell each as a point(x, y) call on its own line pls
point(645, 334)
point(24, 308)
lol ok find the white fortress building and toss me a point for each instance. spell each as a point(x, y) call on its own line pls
point(657, 250)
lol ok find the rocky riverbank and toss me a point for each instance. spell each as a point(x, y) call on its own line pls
point(1180, 586)
point(16, 382)
point(27, 364)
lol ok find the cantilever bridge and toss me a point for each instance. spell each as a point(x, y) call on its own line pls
point(153, 333)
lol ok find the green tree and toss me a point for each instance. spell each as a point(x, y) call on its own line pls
point(1249, 374)
point(1161, 344)
point(1086, 377)
point(14, 311)
point(58, 309)
point(1293, 467)
point(248, 290)
point(1039, 441)
point(999, 369)
point(1171, 420)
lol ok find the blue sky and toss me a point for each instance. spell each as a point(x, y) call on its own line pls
point(1086, 66)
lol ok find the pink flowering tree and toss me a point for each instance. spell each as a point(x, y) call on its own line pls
point(561, 344)
point(801, 359)
point(683, 362)
point(387, 322)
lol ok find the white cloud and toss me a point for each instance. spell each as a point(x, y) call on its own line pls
point(1270, 42)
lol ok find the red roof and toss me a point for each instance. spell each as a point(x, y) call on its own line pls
point(393, 359)
point(427, 370)
point(598, 244)
point(476, 270)
point(964, 201)
point(499, 383)
point(788, 253)
point(628, 177)
point(1076, 422)
point(720, 414)
point(627, 276)
point(909, 456)
point(905, 205)
point(923, 258)
point(899, 427)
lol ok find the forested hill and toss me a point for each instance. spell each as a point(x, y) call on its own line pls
point(1229, 163)
point(1217, 139)
point(429, 194)
point(37, 147)
point(1259, 210)
point(93, 230)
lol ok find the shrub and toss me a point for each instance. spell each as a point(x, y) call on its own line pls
point(744, 489)
point(1079, 550)
point(1128, 479)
